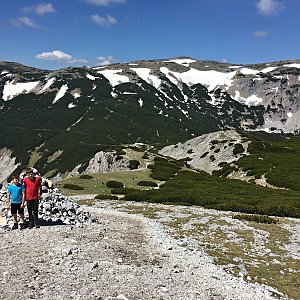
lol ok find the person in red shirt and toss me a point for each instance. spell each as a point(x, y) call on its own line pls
point(33, 193)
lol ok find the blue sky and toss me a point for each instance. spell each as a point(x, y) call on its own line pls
point(58, 33)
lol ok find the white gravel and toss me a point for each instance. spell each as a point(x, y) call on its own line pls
point(121, 256)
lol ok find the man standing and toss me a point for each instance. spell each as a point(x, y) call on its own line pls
point(16, 201)
point(33, 192)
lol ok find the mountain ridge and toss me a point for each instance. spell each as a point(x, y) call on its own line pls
point(157, 102)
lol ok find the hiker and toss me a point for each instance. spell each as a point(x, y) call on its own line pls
point(33, 193)
point(16, 201)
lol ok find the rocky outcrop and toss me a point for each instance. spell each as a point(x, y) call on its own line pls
point(206, 152)
point(102, 162)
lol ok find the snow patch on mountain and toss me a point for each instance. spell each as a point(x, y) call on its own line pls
point(294, 65)
point(252, 100)
point(247, 71)
point(71, 105)
point(140, 102)
point(12, 89)
point(211, 79)
point(113, 76)
point(91, 77)
point(185, 61)
point(48, 84)
point(144, 73)
point(60, 93)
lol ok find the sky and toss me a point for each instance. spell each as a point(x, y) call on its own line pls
point(58, 33)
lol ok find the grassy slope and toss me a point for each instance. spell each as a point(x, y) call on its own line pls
point(279, 161)
point(96, 185)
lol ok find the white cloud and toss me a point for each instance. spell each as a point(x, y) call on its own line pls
point(24, 21)
point(269, 7)
point(54, 55)
point(260, 34)
point(60, 56)
point(105, 2)
point(106, 60)
point(103, 21)
point(224, 60)
point(39, 9)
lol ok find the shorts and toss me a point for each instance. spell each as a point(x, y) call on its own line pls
point(16, 207)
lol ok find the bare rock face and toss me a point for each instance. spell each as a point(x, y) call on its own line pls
point(7, 163)
point(207, 151)
point(104, 162)
point(274, 86)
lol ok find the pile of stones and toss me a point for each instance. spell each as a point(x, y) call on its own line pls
point(54, 209)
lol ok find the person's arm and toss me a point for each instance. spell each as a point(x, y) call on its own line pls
point(40, 189)
point(8, 200)
point(23, 198)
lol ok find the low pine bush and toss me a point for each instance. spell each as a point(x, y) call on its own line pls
point(123, 191)
point(71, 186)
point(114, 184)
point(238, 148)
point(133, 164)
point(85, 176)
point(106, 197)
point(256, 218)
point(147, 183)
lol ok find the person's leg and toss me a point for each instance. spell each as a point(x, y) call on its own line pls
point(30, 212)
point(13, 210)
point(21, 214)
point(15, 218)
point(36, 213)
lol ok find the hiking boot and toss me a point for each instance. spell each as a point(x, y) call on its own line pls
point(15, 226)
point(30, 225)
point(22, 226)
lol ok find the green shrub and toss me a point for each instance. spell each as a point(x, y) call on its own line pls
point(151, 166)
point(223, 194)
point(147, 183)
point(133, 164)
point(238, 148)
point(114, 184)
point(123, 191)
point(204, 154)
point(71, 186)
point(106, 197)
point(85, 176)
point(120, 151)
point(256, 218)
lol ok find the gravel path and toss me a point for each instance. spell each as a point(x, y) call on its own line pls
point(121, 256)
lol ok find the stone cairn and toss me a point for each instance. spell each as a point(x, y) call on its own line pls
point(54, 209)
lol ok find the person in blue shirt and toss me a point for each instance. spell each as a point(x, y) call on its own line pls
point(16, 201)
